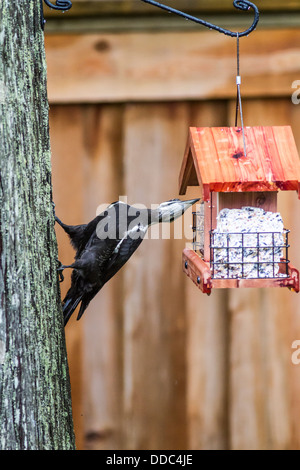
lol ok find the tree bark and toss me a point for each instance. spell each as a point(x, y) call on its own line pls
point(35, 399)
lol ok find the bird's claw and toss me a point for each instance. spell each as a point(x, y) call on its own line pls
point(60, 270)
point(56, 219)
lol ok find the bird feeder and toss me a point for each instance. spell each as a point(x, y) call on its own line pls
point(237, 188)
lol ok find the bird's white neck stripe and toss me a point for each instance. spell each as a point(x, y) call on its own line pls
point(132, 231)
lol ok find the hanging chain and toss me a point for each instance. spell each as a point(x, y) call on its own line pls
point(238, 93)
point(59, 4)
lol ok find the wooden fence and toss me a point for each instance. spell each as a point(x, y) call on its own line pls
point(156, 364)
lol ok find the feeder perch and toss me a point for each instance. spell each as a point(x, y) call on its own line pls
point(215, 161)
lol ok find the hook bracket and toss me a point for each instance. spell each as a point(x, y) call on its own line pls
point(239, 4)
point(62, 5)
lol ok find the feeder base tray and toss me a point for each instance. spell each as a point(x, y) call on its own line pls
point(199, 272)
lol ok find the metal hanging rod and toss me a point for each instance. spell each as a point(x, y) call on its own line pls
point(62, 5)
point(239, 4)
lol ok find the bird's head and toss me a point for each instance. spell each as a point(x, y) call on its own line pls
point(170, 210)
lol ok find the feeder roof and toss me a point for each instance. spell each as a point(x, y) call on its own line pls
point(214, 160)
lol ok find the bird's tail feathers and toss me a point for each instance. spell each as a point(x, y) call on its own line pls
point(69, 305)
point(83, 306)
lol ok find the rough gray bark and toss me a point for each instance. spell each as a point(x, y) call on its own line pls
point(35, 402)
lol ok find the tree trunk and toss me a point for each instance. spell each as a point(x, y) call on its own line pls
point(35, 401)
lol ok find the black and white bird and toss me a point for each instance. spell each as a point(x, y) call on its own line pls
point(106, 243)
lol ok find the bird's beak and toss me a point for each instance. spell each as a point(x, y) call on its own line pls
point(187, 204)
point(171, 210)
point(190, 202)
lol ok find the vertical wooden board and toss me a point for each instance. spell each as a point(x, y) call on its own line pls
point(294, 307)
point(68, 186)
point(207, 369)
point(246, 384)
point(154, 311)
point(263, 111)
point(276, 316)
point(294, 224)
point(102, 137)
point(287, 305)
point(207, 339)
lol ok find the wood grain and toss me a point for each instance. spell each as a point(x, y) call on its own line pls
point(154, 315)
point(102, 361)
point(68, 193)
point(176, 368)
point(173, 65)
point(269, 162)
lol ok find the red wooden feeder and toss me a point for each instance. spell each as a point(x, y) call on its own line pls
point(215, 161)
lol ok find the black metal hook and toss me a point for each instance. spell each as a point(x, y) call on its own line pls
point(62, 5)
point(239, 4)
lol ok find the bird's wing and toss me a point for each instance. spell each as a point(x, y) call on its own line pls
point(96, 264)
point(87, 276)
point(102, 259)
point(121, 254)
point(89, 233)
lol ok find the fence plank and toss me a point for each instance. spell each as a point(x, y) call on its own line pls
point(293, 208)
point(126, 67)
point(154, 314)
point(68, 190)
point(102, 374)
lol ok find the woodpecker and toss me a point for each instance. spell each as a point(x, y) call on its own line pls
point(106, 243)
